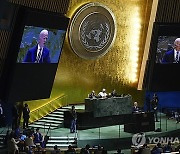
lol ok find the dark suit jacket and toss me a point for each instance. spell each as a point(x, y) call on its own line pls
point(168, 57)
point(135, 109)
point(37, 137)
point(26, 112)
point(32, 53)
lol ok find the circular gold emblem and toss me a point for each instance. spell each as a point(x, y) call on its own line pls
point(92, 31)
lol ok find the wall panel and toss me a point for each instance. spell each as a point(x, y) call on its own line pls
point(168, 11)
point(60, 6)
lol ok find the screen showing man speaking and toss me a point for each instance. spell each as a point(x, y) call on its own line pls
point(168, 50)
point(33, 54)
point(40, 45)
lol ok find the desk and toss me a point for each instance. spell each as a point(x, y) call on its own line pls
point(109, 106)
point(140, 122)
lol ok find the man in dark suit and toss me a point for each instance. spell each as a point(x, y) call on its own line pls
point(39, 53)
point(73, 120)
point(26, 116)
point(113, 93)
point(135, 108)
point(38, 137)
point(1, 116)
point(92, 95)
point(154, 103)
point(15, 116)
point(173, 55)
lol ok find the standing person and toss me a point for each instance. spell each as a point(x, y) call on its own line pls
point(15, 116)
point(1, 116)
point(173, 55)
point(148, 103)
point(39, 53)
point(26, 116)
point(38, 138)
point(177, 117)
point(154, 103)
point(73, 120)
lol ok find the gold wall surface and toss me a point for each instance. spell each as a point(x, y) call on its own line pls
point(76, 77)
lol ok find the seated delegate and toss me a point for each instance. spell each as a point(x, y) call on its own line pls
point(102, 94)
point(92, 95)
point(114, 94)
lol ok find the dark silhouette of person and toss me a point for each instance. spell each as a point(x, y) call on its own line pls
point(92, 95)
point(86, 150)
point(39, 53)
point(154, 104)
point(7, 137)
point(157, 149)
point(177, 117)
point(119, 151)
point(73, 120)
point(113, 93)
point(15, 116)
point(26, 116)
point(70, 150)
point(38, 137)
point(2, 118)
point(56, 150)
point(168, 148)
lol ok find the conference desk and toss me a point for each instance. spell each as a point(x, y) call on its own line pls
point(109, 106)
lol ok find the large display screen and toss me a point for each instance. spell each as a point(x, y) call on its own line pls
point(162, 69)
point(166, 50)
point(50, 41)
point(34, 54)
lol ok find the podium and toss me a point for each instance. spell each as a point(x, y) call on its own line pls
point(141, 122)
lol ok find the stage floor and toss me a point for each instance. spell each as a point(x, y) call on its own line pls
point(111, 134)
point(91, 136)
point(166, 125)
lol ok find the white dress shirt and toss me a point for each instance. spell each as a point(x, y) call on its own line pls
point(102, 94)
point(175, 54)
point(1, 110)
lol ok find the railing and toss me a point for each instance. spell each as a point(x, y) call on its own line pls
point(167, 123)
point(48, 108)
